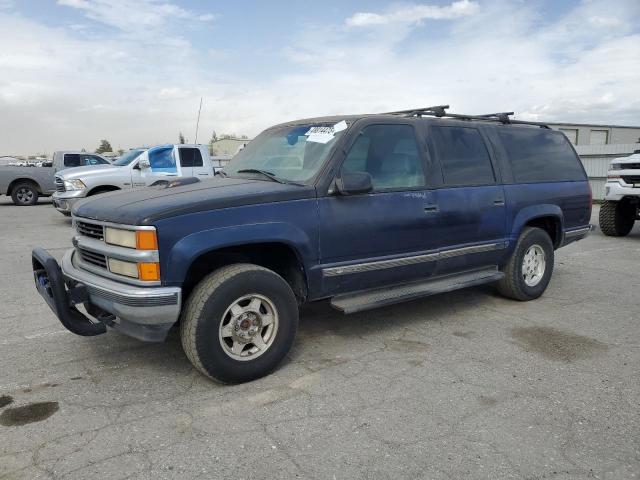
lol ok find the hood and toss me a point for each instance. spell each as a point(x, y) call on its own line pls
point(84, 172)
point(147, 205)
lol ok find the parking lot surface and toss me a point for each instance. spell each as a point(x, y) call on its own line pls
point(461, 385)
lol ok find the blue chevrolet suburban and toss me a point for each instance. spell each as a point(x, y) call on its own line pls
point(361, 210)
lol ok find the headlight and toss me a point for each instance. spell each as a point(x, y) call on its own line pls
point(616, 166)
point(74, 185)
point(139, 239)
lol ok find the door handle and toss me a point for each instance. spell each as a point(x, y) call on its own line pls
point(499, 202)
point(431, 208)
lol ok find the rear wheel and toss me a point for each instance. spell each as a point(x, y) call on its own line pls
point(239, 323)
point(528, 272)
point(617, 218)
point(24, 194)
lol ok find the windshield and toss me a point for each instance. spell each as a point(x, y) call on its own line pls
point(127, 158)
point(293, 153)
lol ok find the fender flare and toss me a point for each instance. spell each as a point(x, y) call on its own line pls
point(188, 249)
point(531, 213)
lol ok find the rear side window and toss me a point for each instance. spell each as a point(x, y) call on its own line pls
point(463, 156)
point(71, 160)
point(190, 157)
point(389, 153)
point(540, 155)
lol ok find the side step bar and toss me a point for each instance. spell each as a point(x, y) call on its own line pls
point(368, 299)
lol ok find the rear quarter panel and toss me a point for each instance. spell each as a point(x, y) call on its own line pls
point(569, 202)
point(43, 176)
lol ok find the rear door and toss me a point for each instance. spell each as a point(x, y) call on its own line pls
point(469, 204)
point(192, 163)
point(382, 237)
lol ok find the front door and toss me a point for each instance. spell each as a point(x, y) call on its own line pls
point(381, 237)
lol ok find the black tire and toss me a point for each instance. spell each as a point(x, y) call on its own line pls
point(617, 218)
point(513, 284)
point(24, 194)
point(207, 308)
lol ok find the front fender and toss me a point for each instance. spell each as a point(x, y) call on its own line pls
point(531, 213)
point(189, 248)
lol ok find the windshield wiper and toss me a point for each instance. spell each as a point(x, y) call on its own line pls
point(269, 175)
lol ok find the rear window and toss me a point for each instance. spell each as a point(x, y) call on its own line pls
point(190, 157)
point(540, 155)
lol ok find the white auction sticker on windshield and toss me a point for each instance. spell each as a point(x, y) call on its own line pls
point(320, 134)
point(340, 126)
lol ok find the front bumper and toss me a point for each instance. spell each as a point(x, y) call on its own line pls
point(615, 191)
point(146, 313)
point(64, 201)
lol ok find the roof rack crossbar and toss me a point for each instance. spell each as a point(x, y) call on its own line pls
point(439, 111)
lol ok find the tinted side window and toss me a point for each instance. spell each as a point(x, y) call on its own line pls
point(463, 156)
point(190, 157)
point(161, 160)
point(540, 155)
point(389, 153)
point(71, 160)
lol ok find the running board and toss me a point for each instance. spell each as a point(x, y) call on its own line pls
point(368, 299)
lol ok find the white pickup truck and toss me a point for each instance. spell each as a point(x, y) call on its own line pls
point(139, 167)
point(621, 206)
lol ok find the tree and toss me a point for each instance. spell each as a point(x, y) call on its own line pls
point(214, 137)
point(181, 139)
point(105, 146)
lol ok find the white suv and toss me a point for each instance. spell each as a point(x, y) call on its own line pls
point(619, 210)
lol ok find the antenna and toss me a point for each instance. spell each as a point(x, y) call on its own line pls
point(198, 121)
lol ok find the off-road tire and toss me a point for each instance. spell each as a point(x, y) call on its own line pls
point(617, 218)
point(513, 284)
point(18, 197)
point(204, 311)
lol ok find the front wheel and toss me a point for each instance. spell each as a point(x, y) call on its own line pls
point(528, 272)
point(239, 323)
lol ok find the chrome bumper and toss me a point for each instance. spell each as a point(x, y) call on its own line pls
point(64, 201)
point(146, 313)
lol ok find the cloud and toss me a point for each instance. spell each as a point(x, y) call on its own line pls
point(73, 90)
point(412, 14)
point(129, 15)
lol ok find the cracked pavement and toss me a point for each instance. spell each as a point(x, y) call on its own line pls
point(461, 385)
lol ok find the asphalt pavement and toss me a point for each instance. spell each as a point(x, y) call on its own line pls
point(461, 385)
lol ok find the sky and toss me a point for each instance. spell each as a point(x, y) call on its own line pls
point(73, 72)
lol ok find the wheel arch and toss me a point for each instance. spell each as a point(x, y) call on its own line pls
point(278, 256)
point(547, 217)
point(17, 181)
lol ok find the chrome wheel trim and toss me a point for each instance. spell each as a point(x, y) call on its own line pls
point(534, 265)
point(248, 327)
point(24, 195)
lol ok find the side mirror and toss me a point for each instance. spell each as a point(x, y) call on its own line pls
point(353, 183)
point(144, 163)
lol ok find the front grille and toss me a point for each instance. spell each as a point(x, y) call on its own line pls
point(632, 179)
point(60, 185)
point(93, 258)
point(90, 230)
point(627, 166)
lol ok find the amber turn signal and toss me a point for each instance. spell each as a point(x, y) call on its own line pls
point(146, 240)
point(149, 271)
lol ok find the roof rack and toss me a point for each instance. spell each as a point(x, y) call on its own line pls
point(440, 111)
